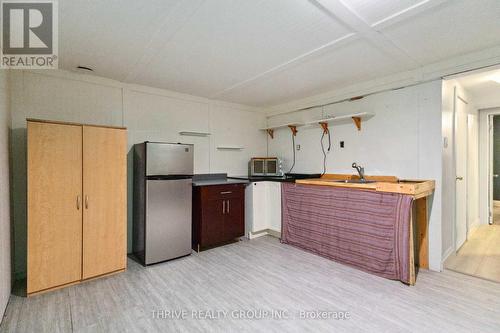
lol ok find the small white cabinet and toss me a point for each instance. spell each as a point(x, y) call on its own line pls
point(274, 206)
point(263, 209)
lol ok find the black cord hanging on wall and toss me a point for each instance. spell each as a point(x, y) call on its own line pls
point(293, 149)
point(327, 132)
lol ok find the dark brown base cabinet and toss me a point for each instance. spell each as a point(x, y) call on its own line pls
point(218, 214)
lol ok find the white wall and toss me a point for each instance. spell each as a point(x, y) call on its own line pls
point(5, 234)
point(402, 139)
point(148, 113)
point(449, 174)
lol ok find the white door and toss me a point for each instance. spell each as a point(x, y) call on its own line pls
point(461, 172)
point(259, 205)
point(274, 205)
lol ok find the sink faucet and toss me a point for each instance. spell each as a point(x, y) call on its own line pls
point(361, 171)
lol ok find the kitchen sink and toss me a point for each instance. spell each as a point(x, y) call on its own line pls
point(356, 181)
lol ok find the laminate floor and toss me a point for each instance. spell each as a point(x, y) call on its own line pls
point(496, 212)
point(480, 255)
point(260, 275)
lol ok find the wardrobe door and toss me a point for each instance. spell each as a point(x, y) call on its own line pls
point(54, 207)
point(105, 200)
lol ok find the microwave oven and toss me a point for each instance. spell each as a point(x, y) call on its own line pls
point(265, 166)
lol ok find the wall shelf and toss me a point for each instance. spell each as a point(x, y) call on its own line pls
point(356, 118)
point(227, 147)
point(291, 126)
point(192, 133)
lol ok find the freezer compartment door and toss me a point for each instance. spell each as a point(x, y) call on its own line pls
point(168, 219)
point(169, 159)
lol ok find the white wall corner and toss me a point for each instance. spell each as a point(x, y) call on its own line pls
point(446, 255)
point(473, 227)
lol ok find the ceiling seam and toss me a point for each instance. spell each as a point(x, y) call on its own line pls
point(344, 39)
point(356, 32)
point(403, 51)
point(392, 17)
point(414, 10)
point(356, 23)
point(294, 61)
point(407, 12)
point(147, 50)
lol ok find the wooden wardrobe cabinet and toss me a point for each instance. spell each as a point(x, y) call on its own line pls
point(218, 214)
point(76, 203)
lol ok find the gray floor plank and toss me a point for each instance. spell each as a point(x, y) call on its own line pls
point(260, 274)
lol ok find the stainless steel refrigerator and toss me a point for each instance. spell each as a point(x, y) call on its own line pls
point(162, 201)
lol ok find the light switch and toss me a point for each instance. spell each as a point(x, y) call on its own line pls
point(298, 147)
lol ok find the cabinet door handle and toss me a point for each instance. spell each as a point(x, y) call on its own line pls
point(228, 206)
point(78, 202)
point(86, 202)
point(223, 206)
point(226, 192)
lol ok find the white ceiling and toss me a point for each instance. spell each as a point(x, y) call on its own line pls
point(267, 52)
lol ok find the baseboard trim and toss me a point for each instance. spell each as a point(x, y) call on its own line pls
point(256, 234)
point(446, 255)
point(473, 227)
point(265, 232)
point(274, 233)
point(3, 311)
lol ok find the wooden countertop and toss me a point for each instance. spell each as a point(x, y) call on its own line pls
point(416, 188)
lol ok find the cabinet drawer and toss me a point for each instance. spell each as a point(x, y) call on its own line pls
point(215, 192)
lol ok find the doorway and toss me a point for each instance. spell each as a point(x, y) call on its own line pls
point(461, 145)
point(495, 168)
point(474, 182)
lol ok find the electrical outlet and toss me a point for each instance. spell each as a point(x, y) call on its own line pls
point(297, 147)
point(341, 144)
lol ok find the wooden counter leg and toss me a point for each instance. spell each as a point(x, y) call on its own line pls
point(422, 232)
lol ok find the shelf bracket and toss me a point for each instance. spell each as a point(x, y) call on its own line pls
point(270, 131)
point(324, 126)
point(293, 128)
point(357, 122)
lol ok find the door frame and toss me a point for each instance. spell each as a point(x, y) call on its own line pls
point(456, 98)
point(486, 164)
point(491, 167)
